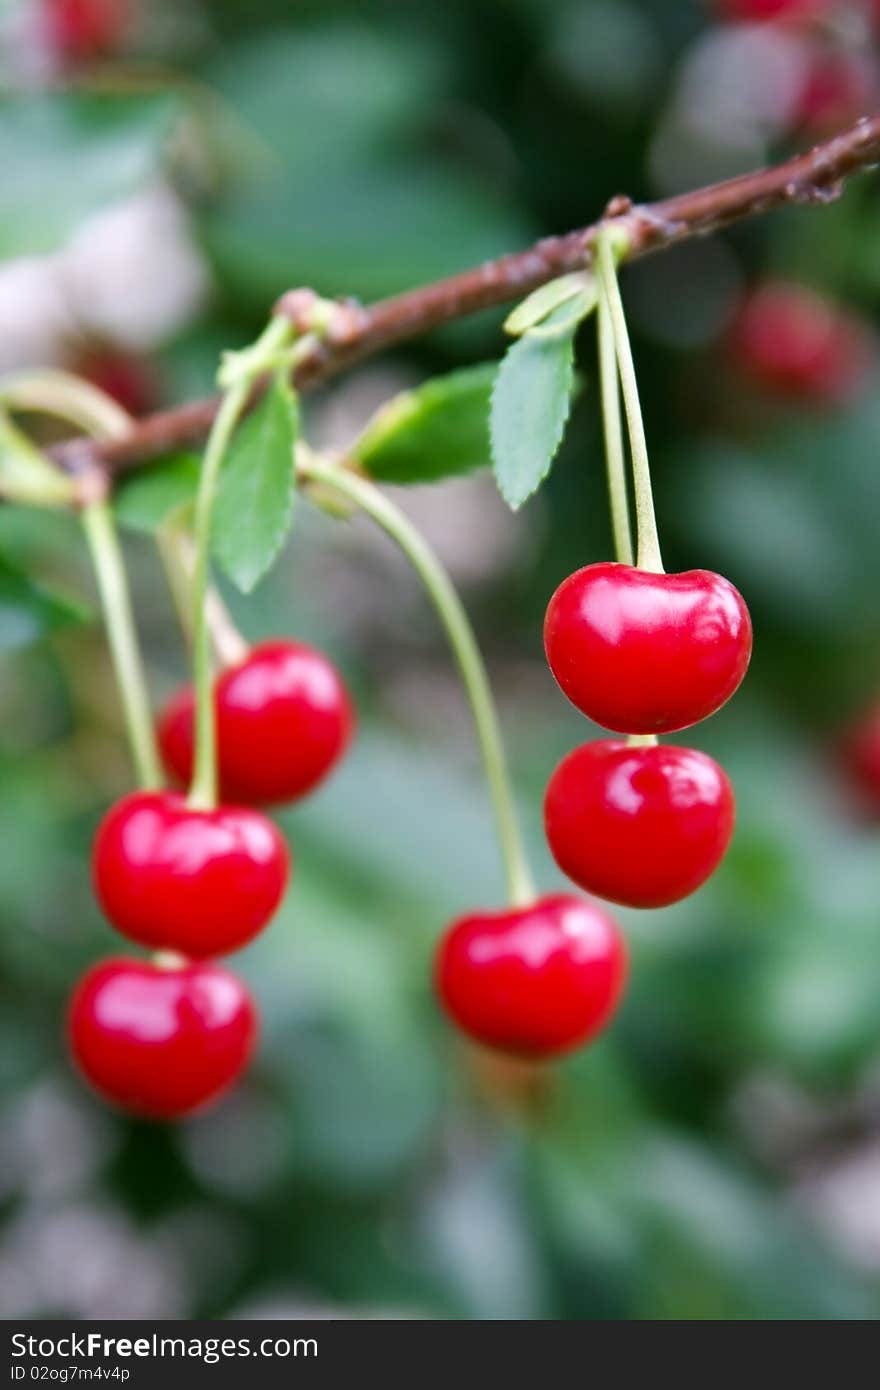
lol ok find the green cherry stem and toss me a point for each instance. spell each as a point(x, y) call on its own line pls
point(615, 460)
point(203, 790)
point(648, 552)
point(454, 619)
point(177, 553)
point(106, 553)
point(77, 402)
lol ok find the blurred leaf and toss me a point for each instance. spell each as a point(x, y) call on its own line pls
point(254, 505)
point(530, 406)
point(67, 154)
point(147, 498)
point(343, 116)
point(28, 610)
point(438, 430)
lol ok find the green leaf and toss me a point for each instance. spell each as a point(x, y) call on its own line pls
point(67, 154)
point(438, 430)
point(254, 504)
point(530, 407)
point(579, 287)
point(28, 610)
point(146, 499)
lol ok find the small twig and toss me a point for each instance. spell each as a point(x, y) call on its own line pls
point(355, 331)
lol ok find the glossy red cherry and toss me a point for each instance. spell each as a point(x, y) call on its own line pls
point(639, 826)
point(200, 882)
point(793, 343)
point(644, 653)
point(160, 1041)
point(82, 29)
point(535, 981)
point(284, 719)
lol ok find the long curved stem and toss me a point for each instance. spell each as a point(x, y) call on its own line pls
point(615, 461)
point(467, 654)
point(67, 397)
point(648, 552)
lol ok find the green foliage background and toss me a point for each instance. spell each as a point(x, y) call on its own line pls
point(694, 1163)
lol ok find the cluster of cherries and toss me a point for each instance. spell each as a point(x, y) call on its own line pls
point(162, 1036)
point(627, 820)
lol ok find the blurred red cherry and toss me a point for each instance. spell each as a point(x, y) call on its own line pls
point(535, 981)
point(161, 1040)
point(128, 377)
point(839, 86)
point(645, 653)
point(793, 343)
point(756, 11)
point(79, 30)
point(859, 751)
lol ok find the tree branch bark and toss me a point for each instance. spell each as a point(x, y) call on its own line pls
point(358, 331)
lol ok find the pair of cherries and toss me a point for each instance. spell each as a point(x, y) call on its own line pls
point(640, 653)
point(162, 1037)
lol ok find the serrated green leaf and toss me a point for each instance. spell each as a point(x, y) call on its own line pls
point(29, 610)
point(536, 307)
point(439, 430)
point(254, 505)
point(530, 407)
point(146, 499)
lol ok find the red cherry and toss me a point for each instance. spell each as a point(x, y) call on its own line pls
point(128, 378)
point(83, 29)
point(160, 1041)
point(837, 89)
point(756, 11)
point(645, 653)
point(284, 719)
point(860, 756)
point(200, 882)
point(639, 826)
point(793, 343)
point(535, 981)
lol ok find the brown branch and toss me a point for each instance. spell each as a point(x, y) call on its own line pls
point(357, 331)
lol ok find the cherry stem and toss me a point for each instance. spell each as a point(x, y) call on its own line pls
point(608, 247)
point(452, 615)
point(69, 398)
point(112, 583)
point(203, 789)
point(177, 552)
point(612, 425)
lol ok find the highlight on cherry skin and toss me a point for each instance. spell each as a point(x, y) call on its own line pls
point(639, 826)
point(161, 1039)
point(174, 878)
point(646, 653)
point(533, 981)
point(284, 720)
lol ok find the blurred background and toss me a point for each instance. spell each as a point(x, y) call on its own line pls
point(168, 170)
